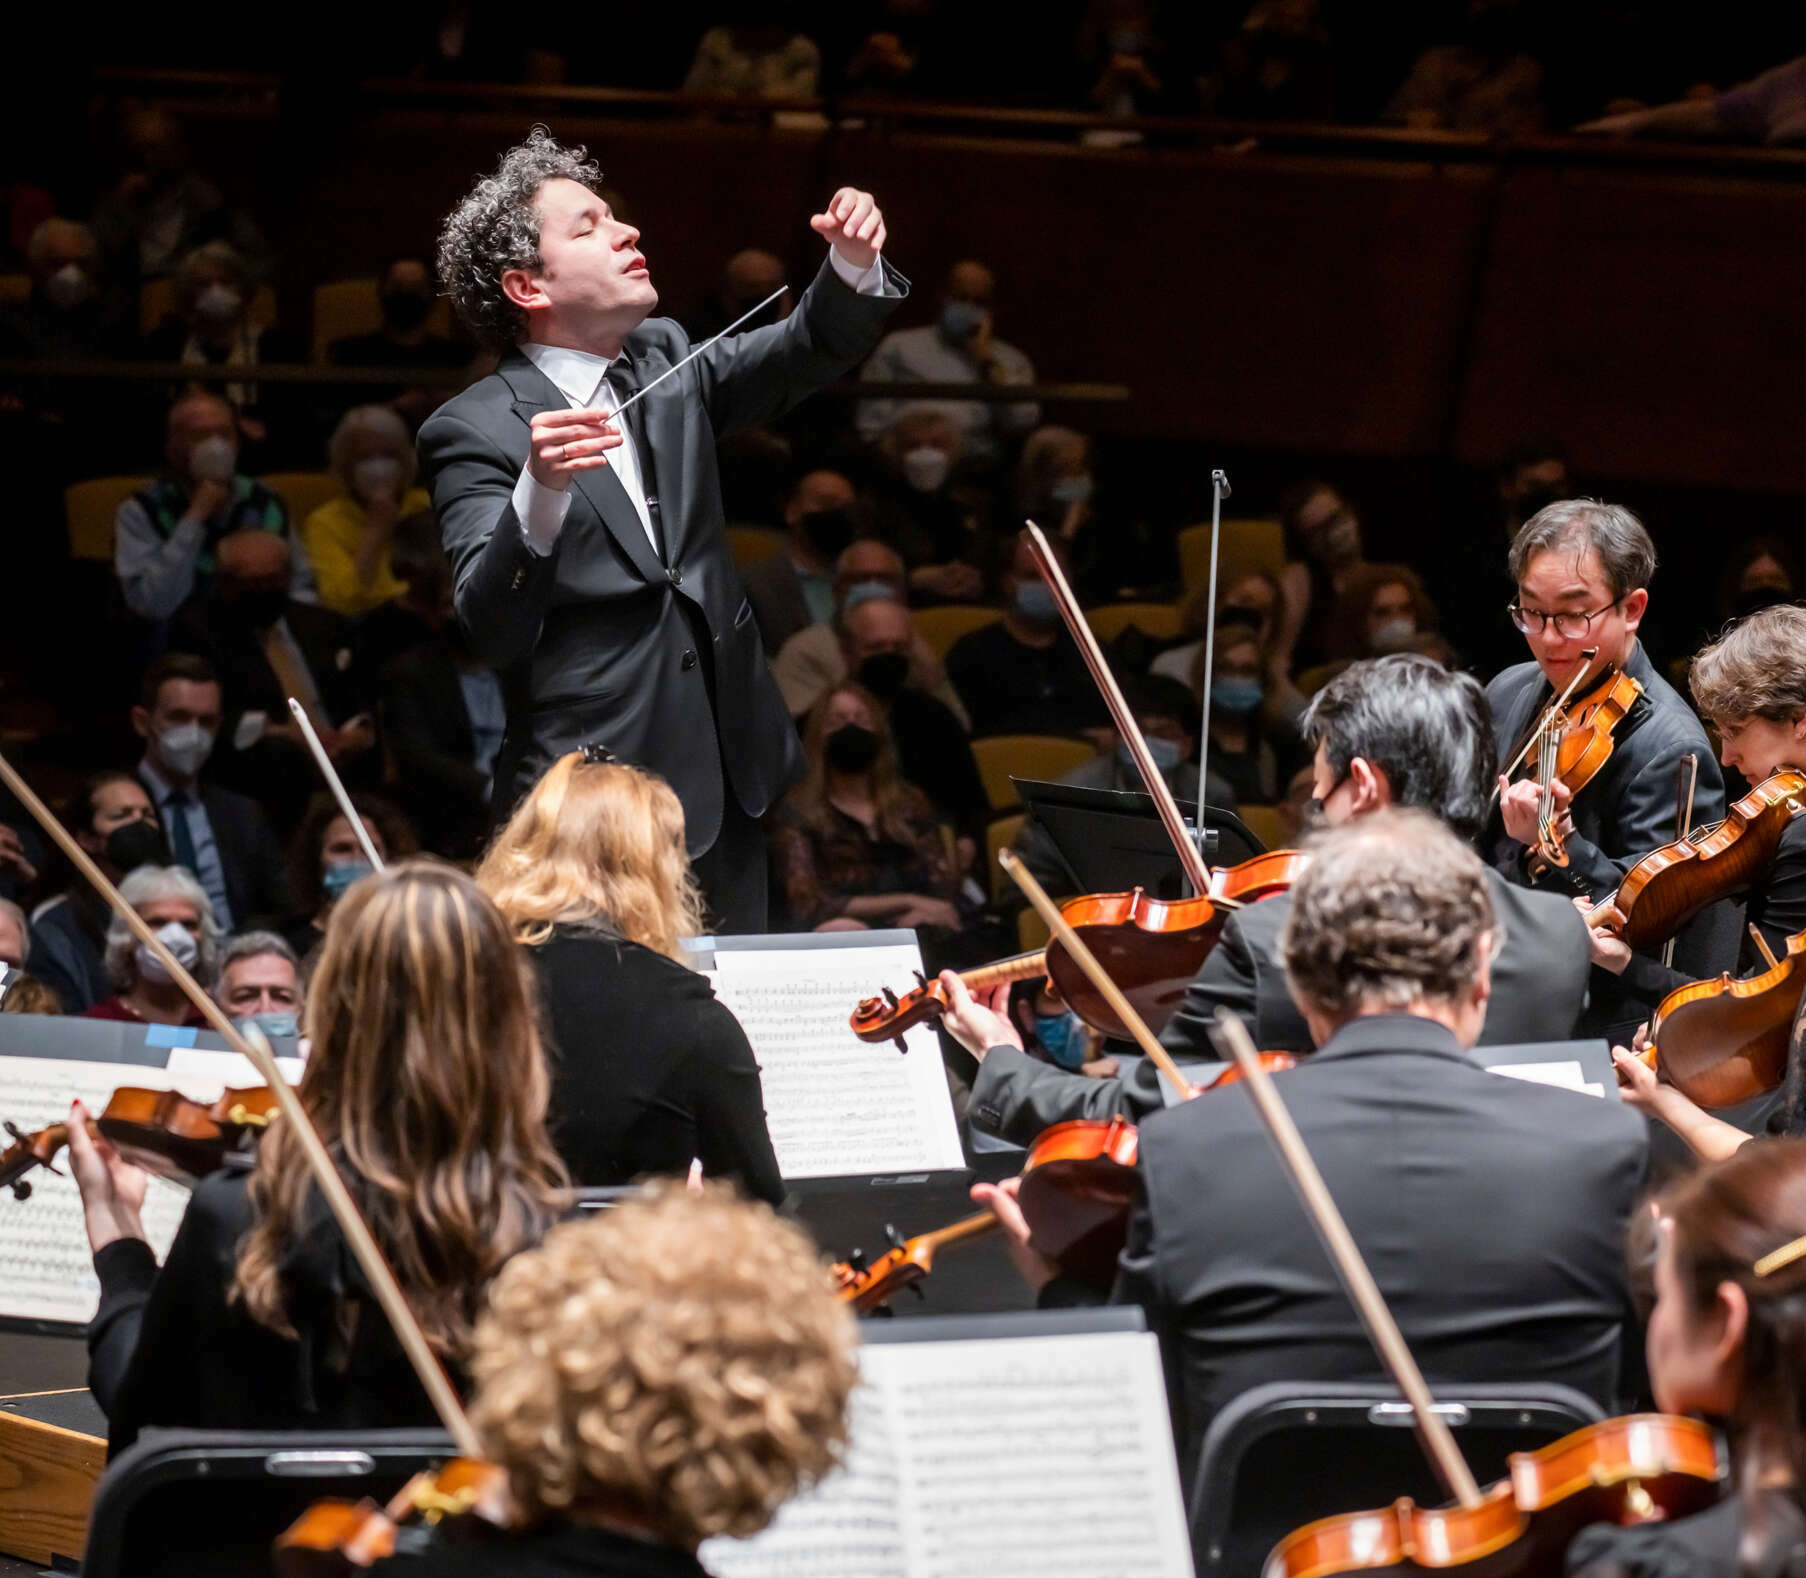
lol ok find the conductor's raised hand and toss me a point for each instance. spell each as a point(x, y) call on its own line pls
point(853, 226)
point(566, 442)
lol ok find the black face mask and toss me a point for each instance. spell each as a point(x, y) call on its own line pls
point(1238, 614)
point(135, 844)
point(884, 674)
point(851, 748)
point(828, 531)
point(405, 310)
point(260, 608)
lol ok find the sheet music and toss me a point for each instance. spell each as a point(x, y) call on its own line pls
point(1028, 1457)
point(835, 1105)
point(1564, 1072)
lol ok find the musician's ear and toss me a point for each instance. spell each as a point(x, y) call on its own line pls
point(1369, 788)
point(1634, 604)
point(523, 289)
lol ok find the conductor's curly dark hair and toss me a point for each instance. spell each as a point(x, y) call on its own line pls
point(496, 228)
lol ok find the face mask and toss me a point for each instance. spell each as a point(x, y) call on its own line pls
point(925, 468)
point(1393, 635)
point(135, 844)
point(1071, 490)
point(868, 592)
point(1033, 603)
point(405, 310)
point(218, 305)
point(335, 879)
point(261, 606)
point(1340, 541)
point(178, 941)
point(213, 459)
point(285, 1023)
point(68, 287)
point(376, 474)
point(1240, 614)
point(884, 674)
point(960, 320)
point(1164, 752)
point(828, 532)
point(851, 748)
point(1237, 697)
point(184, 747)
point(1062, 1038)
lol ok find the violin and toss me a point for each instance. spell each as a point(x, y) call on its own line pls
point(336, 1537)
point(1630, 1470)
point(1572, 741)
point(162, 1131)
point(1669, 886)
point(1156, 946)
point(905, 1265)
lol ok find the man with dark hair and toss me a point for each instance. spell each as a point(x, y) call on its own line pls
point(1393, 731)
point(795, 588)
point(588, 553)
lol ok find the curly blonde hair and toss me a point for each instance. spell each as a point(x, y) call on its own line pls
point(596, 841)
point(681, 1361)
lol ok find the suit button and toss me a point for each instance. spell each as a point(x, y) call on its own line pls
point(677, 575)
point(689, 660)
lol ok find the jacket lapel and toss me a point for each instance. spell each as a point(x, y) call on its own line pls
point(600, 488)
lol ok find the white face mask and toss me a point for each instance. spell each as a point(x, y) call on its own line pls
point(179, 941)
point(185, 748)
point(218, 304)
point(213, 459)
point(1394, 635)
point(376, 474)
point(925, 467)
point(69, 286)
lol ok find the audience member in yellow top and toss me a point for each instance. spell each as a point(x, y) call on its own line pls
point(349, 539)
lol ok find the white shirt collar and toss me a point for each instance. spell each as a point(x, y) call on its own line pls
point(577, 374)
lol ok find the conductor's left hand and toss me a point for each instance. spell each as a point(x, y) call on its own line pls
point(853, 226)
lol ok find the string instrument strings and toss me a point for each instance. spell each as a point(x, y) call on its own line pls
point(252, 1046)
point(1551, 715)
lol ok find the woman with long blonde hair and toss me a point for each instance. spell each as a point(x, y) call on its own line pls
point(650, 1072)
point(428, 1084)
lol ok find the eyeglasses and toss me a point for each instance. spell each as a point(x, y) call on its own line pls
point(598, 756)
point(1569, 626)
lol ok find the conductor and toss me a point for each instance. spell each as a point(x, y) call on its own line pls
point(588, 550)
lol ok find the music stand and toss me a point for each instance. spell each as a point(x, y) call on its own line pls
point(1111, 840)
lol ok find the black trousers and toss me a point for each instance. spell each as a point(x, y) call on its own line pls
point(733, 874)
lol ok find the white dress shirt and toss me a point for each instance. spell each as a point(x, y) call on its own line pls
point(582, 378)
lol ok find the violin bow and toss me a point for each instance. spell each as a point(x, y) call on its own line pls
point(1548, 716)
point(1686, 784)
point(252, 1046)
point(335, 783)
point(1219, 490)
point(1231, 1038)
point(1196, 872)
point(1087, 961)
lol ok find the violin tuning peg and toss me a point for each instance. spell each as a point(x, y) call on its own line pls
point(14, 1130)
point(892, 1236)
point(21, 1189)
point(890, 999)
point(857, 1260)
point(921, 979)
point(902, 1045)
point(916, 1288)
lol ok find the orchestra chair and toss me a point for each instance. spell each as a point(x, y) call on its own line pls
point(1263, 822)
point(207, 1503)
point(1313, 679)
point(1000, 833)
point(53, 1447)
point(1043, 756)
point(303, 492)
point(344, 307)
point(1283, 1455)
point(750, 545)
point(14, 288)
point(945, 623)
point(1247, 545)
point(157, 300)
point(1031, 931)
point(89, 509)
point(1156, 621)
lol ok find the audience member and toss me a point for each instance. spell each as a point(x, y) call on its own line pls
point(219, 835)
point(854, 844)
point(1024, 674)
point(814, 658)
point(15, 936)
point(405, 288)
point(1757, 574)
point(175, 907)
point(1769, 109)
point(347, 539)
point(960, 347)
point(260, 983)
point(592, 877)
point(1278, 65)
point(1488, 82)
point(1245, 752)
point(1381, 608)
point(325, 857)
point(1533, 473)
point(70, 313)
point(112, 818)
point(751, 275)
point(1323, 547)
point(794, 588)
point(1295, 807)
point(166, 534)
point(18, 862)
point(1253, 601)
point(1055, 488)
point(902, 55)
point(24, 993)
point(773, 61)
point(1121, 56)
point(920, 511)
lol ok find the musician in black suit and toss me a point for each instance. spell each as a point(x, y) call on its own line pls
point(1491, 1211)
point(591, 564)
point(1394, 731)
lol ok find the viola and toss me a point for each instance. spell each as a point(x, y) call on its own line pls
point(1630, 1470)
point(1669, 886)
point(332, 1538)
point(162, 1131)
point(1573, 741)
point(905, 1265)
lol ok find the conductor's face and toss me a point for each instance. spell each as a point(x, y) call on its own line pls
point(592, 281)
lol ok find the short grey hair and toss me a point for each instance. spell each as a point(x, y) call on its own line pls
point(1626, 553)
point(220, 253)
point(13, 913)
point(496, 228)
point(255, 945)
point(1392, 909)
point(147, 885)
point(370, 421)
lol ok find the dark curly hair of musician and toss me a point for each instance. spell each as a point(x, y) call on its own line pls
point(496, 228)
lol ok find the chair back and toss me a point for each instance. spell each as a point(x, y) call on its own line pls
point(1000, 833)
point(941, 626)
point(303, 492)
point(1045, 756)
point(157, 300)
point(344, 307)
point(1247, 545)
point(88, 512)
point(1263, 822)
point(1156, 621)
point(750, 545)
point(1283, 1455)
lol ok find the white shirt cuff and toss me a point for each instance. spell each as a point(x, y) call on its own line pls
point(865, 281)
point(540, 511)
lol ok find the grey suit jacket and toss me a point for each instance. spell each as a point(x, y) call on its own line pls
point(604, 640)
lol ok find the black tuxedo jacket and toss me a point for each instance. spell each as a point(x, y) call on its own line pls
point(1539, 990)
point(1491, 1212)
point(604, 640)
point(255, 871)
point(428, 729)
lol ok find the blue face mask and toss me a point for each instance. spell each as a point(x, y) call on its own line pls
point(1164, 752)
point(868, 592)
point(1062, 1038)
point(960, 320)
point(334, 880)
point(1034, 603)
point(1071, 490)
point(1237, 697)
point(284, 1023)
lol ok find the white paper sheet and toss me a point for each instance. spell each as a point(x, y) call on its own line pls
point(1563, 1072)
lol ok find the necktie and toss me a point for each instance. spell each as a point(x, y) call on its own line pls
point(625, 381)
point(181, 841)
